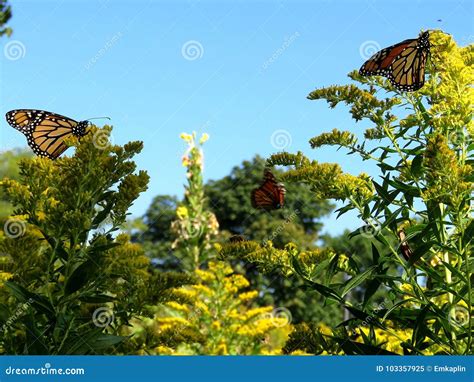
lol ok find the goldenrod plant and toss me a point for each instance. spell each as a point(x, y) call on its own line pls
point(194, 227)
point(78, 280)
point(422, 143)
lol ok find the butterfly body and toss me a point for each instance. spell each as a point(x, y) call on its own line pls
point(404, 247)
point(46, 131)
point(270, 195)
point(403, 63)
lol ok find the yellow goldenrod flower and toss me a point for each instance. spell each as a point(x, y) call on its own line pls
point(204, 138)
point(40, 215)
point(186, 137)
point(248, 295)
point(182, 212)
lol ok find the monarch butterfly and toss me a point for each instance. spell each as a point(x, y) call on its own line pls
point(403, 63)
point(270, 195)
point(46, 131)
point(404, 247)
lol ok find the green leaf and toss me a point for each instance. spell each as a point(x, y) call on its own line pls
point(105, 341)
point(420, 251)
point(468, 234)
point(417, 165)
point(80, 276)
point(97, 299)
point(357, 280)
point(357, 348)
point(102, 215)
point(35, 342)
point(372, 287)
point(38, 302)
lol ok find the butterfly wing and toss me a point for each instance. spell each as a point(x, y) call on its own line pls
point(379, 63)
point(403, 63)
point(45, 131)
point(408, 69)
point(270, 195)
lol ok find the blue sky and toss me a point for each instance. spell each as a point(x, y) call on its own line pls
point(239, 70)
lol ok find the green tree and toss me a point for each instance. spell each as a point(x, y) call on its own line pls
point(5, 15)
point(9, 169)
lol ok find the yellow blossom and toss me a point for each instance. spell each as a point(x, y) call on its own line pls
point(182, 212)
point(40, 215)
point(205, 276)
point(186, 137)
point(204, 138)
point(248, 295)
point(177, 306)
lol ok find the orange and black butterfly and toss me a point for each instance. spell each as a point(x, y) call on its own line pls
point(270, 195)
point(46, 131)
point(404, 247)
point(403, 63)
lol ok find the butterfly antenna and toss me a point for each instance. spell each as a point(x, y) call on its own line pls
point(90, 119)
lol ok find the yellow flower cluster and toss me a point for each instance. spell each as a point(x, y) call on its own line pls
point(448, 181)
point(451, 90)
point(220, 316)
point(4, 276)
